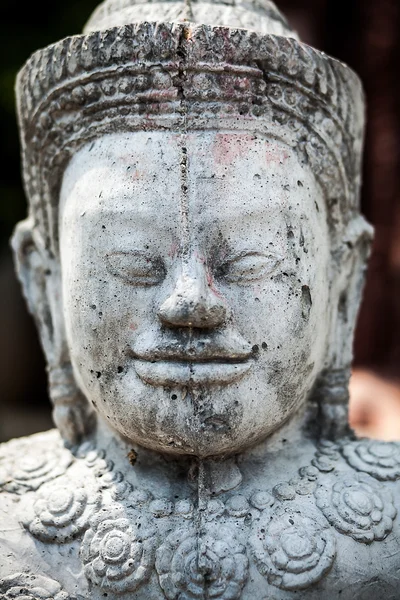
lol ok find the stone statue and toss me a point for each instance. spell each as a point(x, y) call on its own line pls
point(194, 258)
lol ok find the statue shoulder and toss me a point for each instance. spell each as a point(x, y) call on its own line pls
point(345, 509)
point(26, 466)
point(358, 492)
point(58, 509)
point(47, 497)
point(375, 465)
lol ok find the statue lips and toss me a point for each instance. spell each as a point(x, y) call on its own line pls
point(192, 367)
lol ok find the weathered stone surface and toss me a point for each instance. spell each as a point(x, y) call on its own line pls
point(194, 258)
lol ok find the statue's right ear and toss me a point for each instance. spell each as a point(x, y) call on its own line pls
point(40, 276)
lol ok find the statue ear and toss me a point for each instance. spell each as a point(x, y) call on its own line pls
point(40, 276)
point(347, 281)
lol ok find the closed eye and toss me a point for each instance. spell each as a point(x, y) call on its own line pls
point(136, 267)
point(247, 268)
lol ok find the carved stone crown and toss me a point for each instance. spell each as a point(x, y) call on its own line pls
point(182, 76)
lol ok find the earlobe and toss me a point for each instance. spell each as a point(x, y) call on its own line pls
point(40, 277)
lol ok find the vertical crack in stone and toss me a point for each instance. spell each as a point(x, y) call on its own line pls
point(185, 32)
point(185, 243)
point(202, 498)
point(181, 52)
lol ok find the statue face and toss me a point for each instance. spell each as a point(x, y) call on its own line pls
point(195, 285)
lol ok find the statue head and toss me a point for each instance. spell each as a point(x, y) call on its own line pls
point(194, 252)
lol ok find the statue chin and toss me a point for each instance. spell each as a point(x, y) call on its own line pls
point(211, 423)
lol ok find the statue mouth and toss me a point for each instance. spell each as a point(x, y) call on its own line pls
point(190, 374)
point(191, 369)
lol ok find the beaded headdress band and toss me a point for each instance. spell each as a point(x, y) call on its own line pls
point(182, 76)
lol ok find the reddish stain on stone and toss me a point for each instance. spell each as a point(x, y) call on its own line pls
point(200, 258)
point(229, 146)
point(133, 326)
point(211, 285)
point(275, 155)
point(136, 174)
point(173, 251)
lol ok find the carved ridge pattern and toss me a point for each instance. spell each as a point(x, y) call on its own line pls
point(58, 65)
point(232, 14)
point(121, 540)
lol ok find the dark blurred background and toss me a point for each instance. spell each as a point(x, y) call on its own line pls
point(363, 33)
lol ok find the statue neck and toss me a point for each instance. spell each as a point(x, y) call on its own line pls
point(210, 476)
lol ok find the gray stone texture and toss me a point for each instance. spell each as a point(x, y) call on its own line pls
point(194, 258)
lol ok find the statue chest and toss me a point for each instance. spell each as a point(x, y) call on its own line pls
point(78, 528)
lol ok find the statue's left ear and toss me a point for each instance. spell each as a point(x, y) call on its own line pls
point(40, 276)
point(349, 261)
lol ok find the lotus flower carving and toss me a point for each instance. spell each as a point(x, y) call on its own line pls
point(379, 459)
point(62, 511)
point(118, 549)
point(292, 551)
point(212, 565)
point(355, 504)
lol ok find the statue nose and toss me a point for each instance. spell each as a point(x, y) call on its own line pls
point(193, 303)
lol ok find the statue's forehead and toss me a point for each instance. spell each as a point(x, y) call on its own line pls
point(160, 154)
point(198, 142)
point(222, 175)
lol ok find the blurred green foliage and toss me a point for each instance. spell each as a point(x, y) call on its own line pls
point(25, 27)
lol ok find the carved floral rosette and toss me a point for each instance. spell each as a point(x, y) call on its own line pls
point(379, 459)
point(211, 563)
point(356, 505)
point(22, 586)
point(62, 510)
point(31, 463)
point(291, 550)
point(119, 548)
